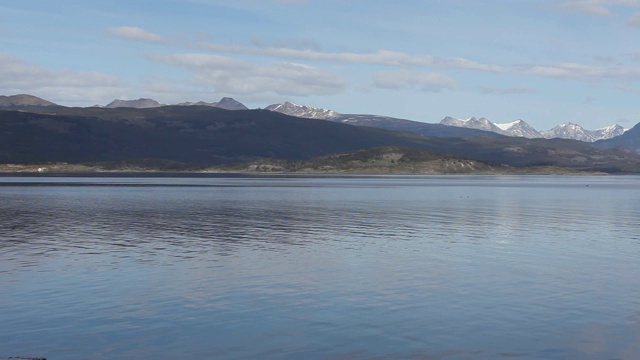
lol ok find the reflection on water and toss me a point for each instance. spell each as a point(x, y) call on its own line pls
point(340, 268)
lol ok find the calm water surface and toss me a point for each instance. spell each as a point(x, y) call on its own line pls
point(320, 268)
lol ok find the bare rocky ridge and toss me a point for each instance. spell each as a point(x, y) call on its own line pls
point(142, 103)
point(226, 103)
point(23, 100)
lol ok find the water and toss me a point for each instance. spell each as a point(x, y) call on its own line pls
point(320, 268)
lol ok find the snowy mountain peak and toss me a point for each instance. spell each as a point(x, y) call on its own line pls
point(472, 123)
point(577, 132)
point(519, 128)
point(610, 131)
point(568, 131)
point(509, 125)
point(302, 111)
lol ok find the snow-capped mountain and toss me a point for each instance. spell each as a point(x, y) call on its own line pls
point(577, 132)
point(472, 123)
point(303, 111)
point(141, 103)
point(224, 103)
point(568, 131)
point(609, 132)
point(519, 128)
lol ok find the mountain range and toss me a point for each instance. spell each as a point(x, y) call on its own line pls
point(517, 128)
point(522, 129)
point(35, 131)
point(145, 103)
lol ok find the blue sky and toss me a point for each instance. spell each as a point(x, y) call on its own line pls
point(546, 62)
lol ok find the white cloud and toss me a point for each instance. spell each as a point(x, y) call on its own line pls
point(64, 85)
point(136, 33)
point(388, 58)
point(239, 78)
point(634, 20)
point(597, 7)
point(381, 57)
point(423, 81)
point(574, 71)
point(585, 72)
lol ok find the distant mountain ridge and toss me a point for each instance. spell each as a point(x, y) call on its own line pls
point(473, 123)
point(211, 135)
point(516, 128)
point(376, 121)
point(519, 128)
point(577, 132)
point(23, 100)
point(226, 103)
point(146, 103)
point(142, 103)
point(208, 136)
point(303, 111)
point(447, 127)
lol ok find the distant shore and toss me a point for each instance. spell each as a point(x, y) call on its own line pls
point(78, 169)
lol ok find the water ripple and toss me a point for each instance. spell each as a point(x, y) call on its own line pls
point(386, 267)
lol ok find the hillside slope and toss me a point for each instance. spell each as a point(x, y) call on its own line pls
point(208, 135)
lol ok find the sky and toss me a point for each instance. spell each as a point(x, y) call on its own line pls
point(546, 62)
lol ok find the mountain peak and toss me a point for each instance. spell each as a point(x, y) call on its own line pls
point(23, 100)
point(230, 104)
point(302, 111)
point(574, 131)
point(226, 103)
point(141, 103)
point(516, 128)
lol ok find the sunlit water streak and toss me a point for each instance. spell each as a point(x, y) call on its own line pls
point(327, 268)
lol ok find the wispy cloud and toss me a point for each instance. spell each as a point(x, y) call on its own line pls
point(634, 20)
point(585, 72)
point(291, 57)
point(235, 77)
point(575, 71)
point(423, 81)
point(381, 57)
point(135, 33)
point(18, 76)
point(597, 7)
point(507, 91)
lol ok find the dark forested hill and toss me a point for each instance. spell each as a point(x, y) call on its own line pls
point(189, 134)
point(208, 135)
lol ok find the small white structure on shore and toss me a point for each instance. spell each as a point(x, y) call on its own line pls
point(41, 170)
